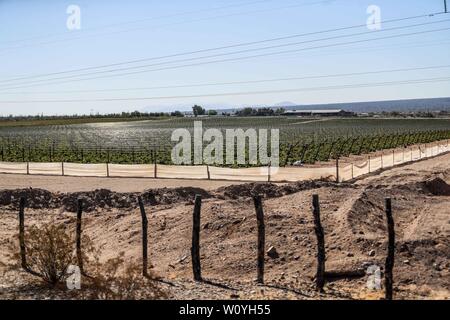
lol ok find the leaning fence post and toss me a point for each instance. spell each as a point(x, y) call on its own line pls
point(22, 233)
point(261, 237)
point(78, 234)
point(144, 238)
point(195, 249)
point(391, 247)
point(320, 275)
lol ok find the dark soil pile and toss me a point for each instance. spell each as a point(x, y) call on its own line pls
point(173, 195)
point(270, 190)
point(101, 198)
point(437, 187)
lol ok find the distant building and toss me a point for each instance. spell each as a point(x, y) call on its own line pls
point(319, 113)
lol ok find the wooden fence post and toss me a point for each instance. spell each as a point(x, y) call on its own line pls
point(391, 247)
point(23, 257)
point(195, 249)
point(62, 168)
point(208, 173)
point(144, 238)
point(337, 169)
point(78, 234)
point(107, 169)
point(320, 275)
point(369, 164)
point(155, 169)
point(261, 237)
point(268, 171)
point(28, 167)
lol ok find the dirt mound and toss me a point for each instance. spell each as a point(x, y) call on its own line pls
point(35, 198)
point(366, 216)
point(173, 195)
point(102, 198)
point(437, 187)
point(270, 190)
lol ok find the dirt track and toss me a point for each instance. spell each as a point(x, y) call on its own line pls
point(352, 214)
point(77, 184)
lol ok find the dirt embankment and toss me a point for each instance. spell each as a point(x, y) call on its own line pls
point(106, 199)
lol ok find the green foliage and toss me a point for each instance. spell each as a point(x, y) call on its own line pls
point(198, 110)
point(309, 140)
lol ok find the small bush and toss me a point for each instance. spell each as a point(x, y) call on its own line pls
point(50, 251)
point(116, 279)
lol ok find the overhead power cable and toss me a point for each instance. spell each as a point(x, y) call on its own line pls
point(159, 26)
point(211, 49)
point(119, 24)
point(233, 59)
point(211, 84)
point(323, 88)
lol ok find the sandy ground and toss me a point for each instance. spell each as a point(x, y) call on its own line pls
point(352, 216)
point(77, 184)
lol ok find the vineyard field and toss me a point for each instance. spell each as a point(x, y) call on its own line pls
point(305, 139)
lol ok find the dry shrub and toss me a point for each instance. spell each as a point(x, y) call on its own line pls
point(50, 251)
point(116, 279)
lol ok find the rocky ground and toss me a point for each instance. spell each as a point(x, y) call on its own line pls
point(352, 216)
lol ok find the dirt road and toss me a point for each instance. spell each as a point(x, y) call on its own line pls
point(77, 184)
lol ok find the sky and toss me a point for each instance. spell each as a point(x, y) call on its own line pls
point(41, 56)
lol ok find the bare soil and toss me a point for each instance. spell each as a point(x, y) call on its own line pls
point(352, 216)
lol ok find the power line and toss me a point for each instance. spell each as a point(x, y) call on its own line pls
point(324, 88)
point(141, 20)
point(159, 26)
point(233, 59)
point(235, 52)
point(246, 82)
point(213, 49)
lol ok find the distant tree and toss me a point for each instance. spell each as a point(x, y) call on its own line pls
point(280, 111)
point(245, 112)
point(176, 114)
point(198, 110)
point(212, 113)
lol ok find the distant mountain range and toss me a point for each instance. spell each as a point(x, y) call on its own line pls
point(433, 104)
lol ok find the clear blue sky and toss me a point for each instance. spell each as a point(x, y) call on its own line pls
point(34, 40)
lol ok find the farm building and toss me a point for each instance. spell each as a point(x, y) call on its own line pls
point(319, 113)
